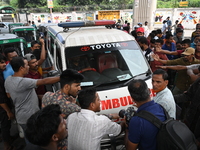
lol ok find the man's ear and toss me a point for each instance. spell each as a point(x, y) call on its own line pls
point(66, 87)
point(166, 82)
point(92, 105)
point(54, 138)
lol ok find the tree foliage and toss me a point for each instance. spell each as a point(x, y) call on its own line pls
point(95, 4)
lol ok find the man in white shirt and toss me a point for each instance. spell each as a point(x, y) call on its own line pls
point(86, 128)
point(163, 96)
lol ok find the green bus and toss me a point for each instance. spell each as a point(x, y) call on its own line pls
point(12, 40)
point(27, 32)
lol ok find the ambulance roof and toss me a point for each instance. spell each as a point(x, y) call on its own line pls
point(89, 35)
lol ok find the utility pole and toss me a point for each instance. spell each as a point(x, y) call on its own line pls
point(144, 10)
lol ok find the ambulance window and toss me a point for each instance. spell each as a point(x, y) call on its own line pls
point(58, 57)
point(51, 45)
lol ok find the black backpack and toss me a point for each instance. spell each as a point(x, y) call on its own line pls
point(172, 134)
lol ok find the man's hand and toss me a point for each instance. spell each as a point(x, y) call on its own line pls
point(155, 57)
point(115, 116)
point(162, 67)
point(10, 115)
point(41, 40)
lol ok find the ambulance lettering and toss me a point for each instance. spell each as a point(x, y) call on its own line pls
point(108, 45)
point(116, 102)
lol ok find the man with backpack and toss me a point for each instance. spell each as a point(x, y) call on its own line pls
point(151, 128)
point(142, 133)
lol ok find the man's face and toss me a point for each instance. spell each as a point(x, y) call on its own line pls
point(11, 55)
point(179, 46)
point(179, 34)
point(198, 28)
point(158, 45)
point(198, 47)
point(140, 34)
point(187, 57)
point(197, 39)
point(26, 67)
point(141, 45)
point(97, 103)
point(2, 65)
point(36, 46)
point(170, 40)
point(185, 45)
point(158, 83)
point(62, 129)
point(33, 64)
point(74, 89)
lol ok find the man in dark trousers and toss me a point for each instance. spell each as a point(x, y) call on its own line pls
point(5, 108)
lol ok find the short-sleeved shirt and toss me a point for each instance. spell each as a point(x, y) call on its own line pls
point(143, 132)
point(63, 100)
point(86, 129)
point(182, 79)
point(8, 72)
point(24, 97)
point(40, 90)
point(171, 48)
point(166, 99)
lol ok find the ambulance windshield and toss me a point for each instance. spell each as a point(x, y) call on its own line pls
point(107, 63)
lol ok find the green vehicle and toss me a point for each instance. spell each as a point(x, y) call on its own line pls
point(12, 40)
point(13, 25)
point(26, 32)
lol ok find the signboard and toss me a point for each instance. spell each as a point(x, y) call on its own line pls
point(183, 4)
point(50, 3)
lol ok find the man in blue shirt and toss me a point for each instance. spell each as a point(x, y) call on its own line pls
point(10, 53)
point(142, 133)
point(169, 45)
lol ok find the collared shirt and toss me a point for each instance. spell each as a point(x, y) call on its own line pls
point(171, 48)
point(63, 100)
point(143, 132)
point(166, 99)
point(40, 90)
point(182, 79)
point(86, 129)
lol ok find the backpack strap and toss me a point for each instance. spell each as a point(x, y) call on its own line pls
point(150, 117)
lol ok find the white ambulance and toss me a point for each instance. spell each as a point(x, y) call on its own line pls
point(112, 59)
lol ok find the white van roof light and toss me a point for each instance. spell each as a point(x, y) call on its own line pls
point(75, 24)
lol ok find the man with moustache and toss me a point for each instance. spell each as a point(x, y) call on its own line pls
point(22, 90)
point(5, 108)
point(34, 73)
point(65, 97)
point(163, 96)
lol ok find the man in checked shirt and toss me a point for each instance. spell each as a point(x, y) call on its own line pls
point(65, 97)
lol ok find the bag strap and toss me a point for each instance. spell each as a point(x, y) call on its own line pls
point(150, 117)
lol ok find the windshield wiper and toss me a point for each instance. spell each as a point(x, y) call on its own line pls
point(148, 72)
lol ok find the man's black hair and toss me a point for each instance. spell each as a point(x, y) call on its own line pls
point(186, 41)
point(154, 32)
point(151, 35)
point(168, 36)
point(34, 42)
point(179, 30)
point(9, 50)
point(16, 63)
point(152, 41)
point(138, 90)
point(158, 31)
point(86, 97)
point(42, 125)
point(196, 36)
point(70, 76)
point(2, 58)
point(143, 40)
point(162, 72)
point(159, 41)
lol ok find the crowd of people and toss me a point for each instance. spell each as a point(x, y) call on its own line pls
point(60, 121)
